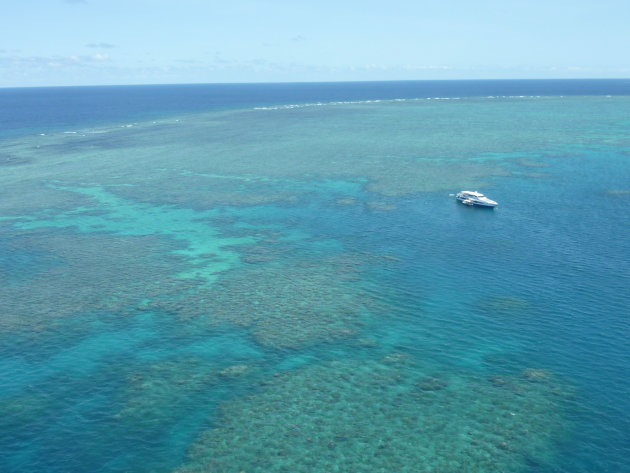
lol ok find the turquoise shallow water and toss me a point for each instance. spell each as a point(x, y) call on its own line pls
point(292, 287)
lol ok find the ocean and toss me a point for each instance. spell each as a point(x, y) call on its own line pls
point(270, 278)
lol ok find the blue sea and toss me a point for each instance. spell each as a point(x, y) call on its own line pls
point(270, 278)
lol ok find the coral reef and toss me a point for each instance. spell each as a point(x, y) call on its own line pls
point(368, 416)
point(346, 201)
point(162, 390)
point(534, 175)
point(530, 163)
point(504, 305)
point(24, 412)
point(203, 191)
point(431, 383)
point(382, 206)
point(536, 375)
point(219, 170)
point(235, 371)
point(7, 159)
point(286, 305)
point(88, 273)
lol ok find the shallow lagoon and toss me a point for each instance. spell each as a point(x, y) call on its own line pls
point(292, 288)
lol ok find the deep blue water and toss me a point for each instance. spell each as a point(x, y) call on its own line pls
point(98, 380)
point(41, 109)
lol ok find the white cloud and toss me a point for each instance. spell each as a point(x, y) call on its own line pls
point(53, 61)
point(431, 67)
point(100, 45)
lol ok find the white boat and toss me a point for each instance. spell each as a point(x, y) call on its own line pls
point(475, 198)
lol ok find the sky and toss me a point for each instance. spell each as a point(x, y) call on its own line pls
point(106, 42)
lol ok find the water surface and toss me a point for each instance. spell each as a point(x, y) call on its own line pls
point(276, 277)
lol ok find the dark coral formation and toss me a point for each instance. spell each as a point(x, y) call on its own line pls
point(366, 416)
point(504, 306)
point(158, 393)
point(431, 383)
point(90, 273)
point(286, 305)
point(7, 159)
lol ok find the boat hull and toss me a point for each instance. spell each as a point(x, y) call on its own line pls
point(477, 204)
point(476, 200)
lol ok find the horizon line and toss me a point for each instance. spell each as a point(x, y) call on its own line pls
point(320, 82)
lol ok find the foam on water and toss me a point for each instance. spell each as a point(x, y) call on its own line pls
point(360, 102)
